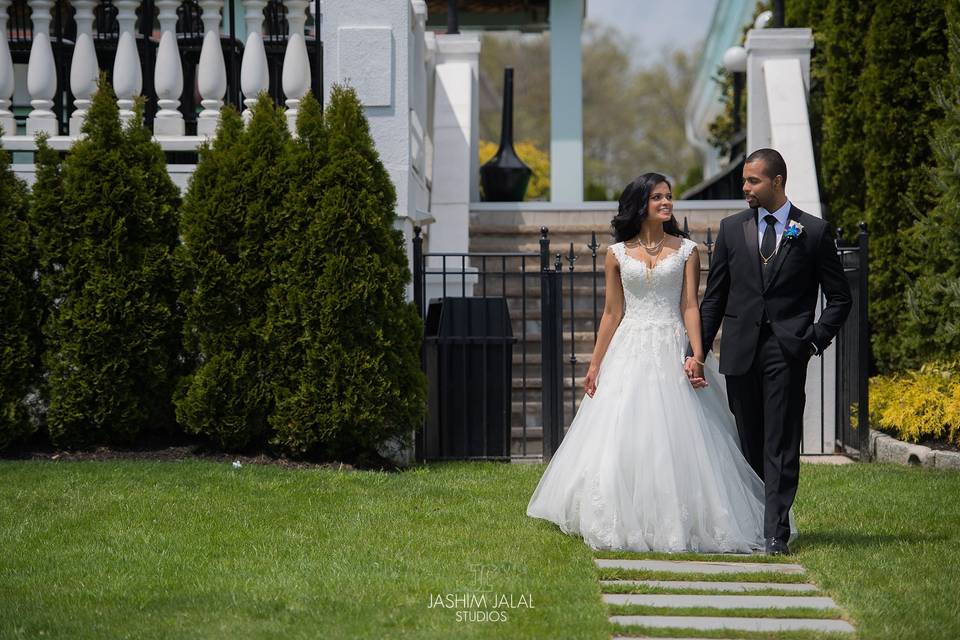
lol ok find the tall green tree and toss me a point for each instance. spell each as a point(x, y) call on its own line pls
point(226, 267)
point(19, 311)
point(361, 384)
point(111, 336)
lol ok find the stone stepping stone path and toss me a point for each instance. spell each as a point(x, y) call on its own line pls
point(715, 598)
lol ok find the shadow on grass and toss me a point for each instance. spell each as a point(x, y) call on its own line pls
point(843, 538)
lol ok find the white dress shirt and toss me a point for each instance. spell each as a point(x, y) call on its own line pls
point(781, 216)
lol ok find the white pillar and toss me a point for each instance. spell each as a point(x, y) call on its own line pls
point(127, 77)
point(6, 75)
point(212, 71)
point(296, 62)
point(566, 101)
point(168, 73)
point(83, 68)
point(254, 76)
point(41, 72)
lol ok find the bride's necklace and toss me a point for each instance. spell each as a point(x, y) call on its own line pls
point(654, 250)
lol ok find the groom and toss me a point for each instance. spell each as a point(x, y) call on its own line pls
point(768, 264)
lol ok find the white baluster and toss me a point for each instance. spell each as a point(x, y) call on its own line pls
point(83, 68)
point(41, 72)
point(296, 62)
point(254, 76)
point(212, 72)
point(127, 77)
point(168, 74)
point(6, 76)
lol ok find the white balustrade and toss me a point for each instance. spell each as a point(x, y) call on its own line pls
point(254, 76)
point(168, 73)
point(212, 72)
point(296, 62)
point(41, 72)
point(83, 68)
point(6, 75)
point(127, 77)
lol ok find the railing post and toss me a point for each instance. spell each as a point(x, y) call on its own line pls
point(41, 72)
point(83, 67)
point(168, 74)
point(418, 270)
point(212, 70)
point(551, 347)
point(296, 61)
point(7, 121)
point(863, 346)
point(127, 75)
point(254, 75)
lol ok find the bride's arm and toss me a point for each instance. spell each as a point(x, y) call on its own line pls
point(612, 314)
point(690, 310)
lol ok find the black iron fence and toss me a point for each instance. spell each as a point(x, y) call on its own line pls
point(555, 309)
point(190, 33)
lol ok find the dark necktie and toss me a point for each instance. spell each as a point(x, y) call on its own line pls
point(768, 246)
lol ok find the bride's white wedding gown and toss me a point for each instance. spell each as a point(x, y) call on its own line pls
point(650, 463)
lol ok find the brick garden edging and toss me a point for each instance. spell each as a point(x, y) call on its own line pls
point(885, 448)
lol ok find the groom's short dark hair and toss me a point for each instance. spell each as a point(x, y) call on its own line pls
point(772, 161)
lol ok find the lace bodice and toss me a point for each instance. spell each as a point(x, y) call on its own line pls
point(653, 295)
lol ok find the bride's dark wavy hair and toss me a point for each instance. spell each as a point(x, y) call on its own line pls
point(632, 210)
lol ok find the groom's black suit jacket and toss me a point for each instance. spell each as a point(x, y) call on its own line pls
point(736, 295)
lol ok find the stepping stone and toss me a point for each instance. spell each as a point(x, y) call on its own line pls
point(720, 602)
point(739, 624)
point(693, 566)
point(713, 586)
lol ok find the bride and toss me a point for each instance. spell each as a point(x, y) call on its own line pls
point(650, 463)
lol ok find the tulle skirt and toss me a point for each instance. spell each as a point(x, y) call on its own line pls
point(649, 463)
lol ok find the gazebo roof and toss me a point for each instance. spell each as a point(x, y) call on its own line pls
point(493, 15)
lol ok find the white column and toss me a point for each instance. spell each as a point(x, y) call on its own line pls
point(6, 75)
point(212, 72)
point(83, 68)
point(168, 74)
point(254, 76)
point(41, 72)
point(566, 101)
point(127, 77)
point(296, 62)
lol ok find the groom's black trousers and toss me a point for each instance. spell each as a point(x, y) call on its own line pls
point(767, 402)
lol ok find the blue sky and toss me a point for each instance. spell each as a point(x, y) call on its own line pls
point(654, 25)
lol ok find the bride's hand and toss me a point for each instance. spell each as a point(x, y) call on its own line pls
point(694, 371)
point(590, 381)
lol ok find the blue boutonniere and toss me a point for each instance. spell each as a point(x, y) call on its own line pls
point(793, 230)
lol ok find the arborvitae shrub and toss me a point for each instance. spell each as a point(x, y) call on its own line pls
point(111, 335)
point(226, 271)
point(19, 311)
point(361, 383)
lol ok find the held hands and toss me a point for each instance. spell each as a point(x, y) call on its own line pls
point(693, 367)
point(590, 381)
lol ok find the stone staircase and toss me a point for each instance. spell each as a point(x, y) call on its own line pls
point(515, 227)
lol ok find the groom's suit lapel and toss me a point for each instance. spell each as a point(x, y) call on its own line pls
point(785, 246)
point(753, 248)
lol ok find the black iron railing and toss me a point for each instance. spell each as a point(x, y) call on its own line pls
point(853, 353)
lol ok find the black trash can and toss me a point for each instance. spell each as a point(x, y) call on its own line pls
point(468, 353)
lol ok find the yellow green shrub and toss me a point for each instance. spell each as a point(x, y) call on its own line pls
point(919, 404)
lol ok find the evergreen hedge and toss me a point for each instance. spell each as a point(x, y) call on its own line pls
point(111, 332)
point(226, 266)
point(19, 311)
point(361, 383)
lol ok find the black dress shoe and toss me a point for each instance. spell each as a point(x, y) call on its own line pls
point(776, 547)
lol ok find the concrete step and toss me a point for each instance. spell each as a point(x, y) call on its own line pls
point(709, 623)
point(695, 566)
point(712, 586)
point(721, 601)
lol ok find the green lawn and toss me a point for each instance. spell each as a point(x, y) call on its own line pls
point(202, 550)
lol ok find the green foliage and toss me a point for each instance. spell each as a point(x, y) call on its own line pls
point(919, 404)
point(225, 265)
point(361, 382)
point(19, 311)
point(109, 226)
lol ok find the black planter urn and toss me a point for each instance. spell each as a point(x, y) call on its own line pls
point(505, 177)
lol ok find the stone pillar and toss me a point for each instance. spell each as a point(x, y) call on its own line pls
point(566, 101)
